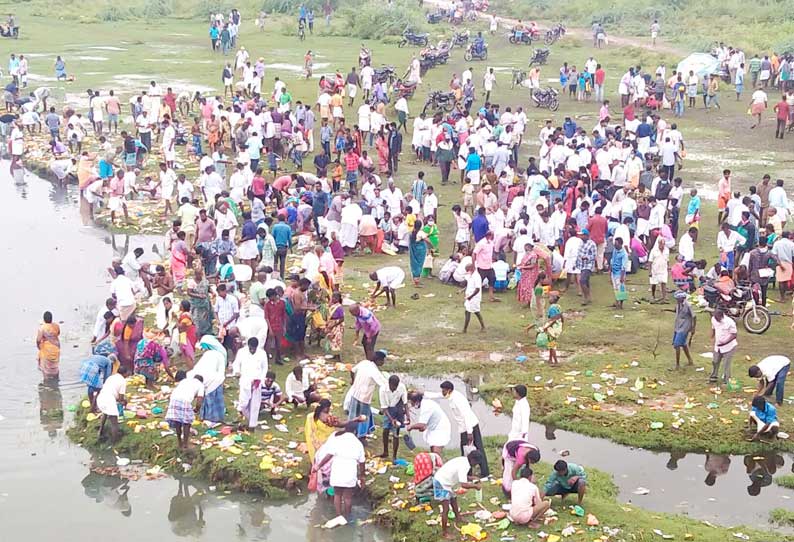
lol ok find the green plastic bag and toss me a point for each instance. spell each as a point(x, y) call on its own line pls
point(622, 294)
point(734, 385)
point(542, 340)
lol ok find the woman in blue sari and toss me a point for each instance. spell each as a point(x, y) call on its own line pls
point(417, 251)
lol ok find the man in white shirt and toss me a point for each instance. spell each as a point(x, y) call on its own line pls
point(108, 400)
point(299, 387)
point(387, 280)
point(365, 375)
point(123, 289)
point(468, 424)
point(393, 402)
point(251, 366)
point(727, 240)
point(686, 246)
point(452, 473)
point(100, 323)
point(771, 372)
point(519, 428)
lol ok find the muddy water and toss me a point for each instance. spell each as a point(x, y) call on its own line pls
point(52, 262)
point(726, 490)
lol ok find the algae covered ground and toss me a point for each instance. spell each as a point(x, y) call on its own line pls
point(614, 380)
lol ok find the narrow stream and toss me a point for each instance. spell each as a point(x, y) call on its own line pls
point(722, 489)
point(53, 262)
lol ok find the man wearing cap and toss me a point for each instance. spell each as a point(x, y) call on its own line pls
point(683, 327)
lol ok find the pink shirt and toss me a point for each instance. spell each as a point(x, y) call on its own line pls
point(483, 254)
point(723, 330)
point(603, 112)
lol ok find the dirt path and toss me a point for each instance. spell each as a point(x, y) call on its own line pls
point(582, 33)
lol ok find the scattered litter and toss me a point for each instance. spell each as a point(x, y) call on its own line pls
point(642, 491)
point(338, 521)
point(663, 535)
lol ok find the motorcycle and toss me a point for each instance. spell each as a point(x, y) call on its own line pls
point(539, 57)
point(460, 38)
point(480, 5)
point(742, 302)
point(412, 38)
point(471, 54)
point(385, 74)
point(436, 16)
point(439, 101)
point(554, 33)
point(404, 90)
point(546, 98)
point(433, 56)
point(521, 37)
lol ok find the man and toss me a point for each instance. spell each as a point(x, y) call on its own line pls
point(683, 327)
point(597, 228)
point(227, 308)
point(387, 280)
point(585, 264)
point(136, 271)
point(466, 420)
point(765, 417)
point(365, 375)
point(123, 290)
point(276, 316)
point(453, 472)
point(566, 478)
point(618, 266)
point(723, 331)
point(282, 234)
point(519, 427)
point(727, 242)
point(782, 115)
point(251, 366)
point(473, 297)
point(393, 404)
point(771, 374)
point(483, 260)
point(431, 421)
point(110, 397)
point(162, 282)
point(783, 249)
point(686, 246)
point(761, 266)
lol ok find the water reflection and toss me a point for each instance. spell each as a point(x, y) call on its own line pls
point(761, 470)
point(109, 490)
point(675, 457)
point(716, 465)
point(254, 523)
point(50, 407)
point(185, 511)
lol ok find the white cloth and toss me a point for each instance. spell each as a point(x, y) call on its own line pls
point(367, 377)
point(212, 368)
point(187, 390)
point(462, 412)
point(519, 428)
point(453, 472)
point(771, 365)
point(124, 290)
point(438, 429)
point(390, 276)
point(347, 452)
point(113, 388)
point(473, 283)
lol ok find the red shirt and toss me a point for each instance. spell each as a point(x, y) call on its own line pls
point(276, 316)
point(600, 76)
point(782, 110)
point(282, 183)
point(597, 226)
point(351, 161)
point(258, 186)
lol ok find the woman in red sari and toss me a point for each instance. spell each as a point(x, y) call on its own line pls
point(127, 335)
point(382, 146)
point(357, 139)
point(530, 269)
point(179, 257)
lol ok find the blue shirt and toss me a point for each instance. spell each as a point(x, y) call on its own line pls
point(644, 130)
point(282, 234)
point(768, 415)
point(473, 162)
point(618, 263)
point(569, 129)
point(319, 203)
point(479, 226)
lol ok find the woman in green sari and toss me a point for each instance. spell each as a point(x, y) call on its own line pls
point(431, 230)
point(200, 306)
point(417, 251)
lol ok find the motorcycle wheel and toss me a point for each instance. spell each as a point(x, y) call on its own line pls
point(757, 323)
point(484, 54)
point(424, 42)
point(467, 56)
point(554, 104)
point(402, 43)
point(549, 39)
point(448, 106)
point(512, 39)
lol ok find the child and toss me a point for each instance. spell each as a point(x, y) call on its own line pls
point(468, 196)
point(392, 406)
point(537, 298)
point(453, 472)
point(693, 209)
point(336, 176)
point(181, 412)
point(110, 401)
point(553, 326)
point(764, 415)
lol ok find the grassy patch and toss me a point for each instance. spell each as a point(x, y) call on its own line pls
point(782, 517)
point(785, 481)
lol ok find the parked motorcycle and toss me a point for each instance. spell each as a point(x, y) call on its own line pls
point(743, 303)
point(471, 54)
point(460, 39)
point(546, 98)
point(554, 33)
point(385, 74)
point(521, 37)
point(539, 57)
point(412, 38)
point(439, 100)
point(404, 89)
point(436, 16)
point(434, 55)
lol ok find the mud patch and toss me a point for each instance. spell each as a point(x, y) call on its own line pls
point(667, 403)
point(618, 409)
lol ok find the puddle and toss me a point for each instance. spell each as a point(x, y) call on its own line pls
point(295, 67)
point(96, 58)
point(36, 452)
point(726, 490)
point(106, 48)
point(136, 82)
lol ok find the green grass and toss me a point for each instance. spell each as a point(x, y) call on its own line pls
point(782, 517)
point(785, 481)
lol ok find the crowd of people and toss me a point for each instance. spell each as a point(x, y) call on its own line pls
point(255, 255)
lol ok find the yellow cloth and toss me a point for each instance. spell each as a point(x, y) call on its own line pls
point(317, 432)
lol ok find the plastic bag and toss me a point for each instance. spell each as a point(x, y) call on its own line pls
point(542, 340)
point(312, 485)
point(622, 294)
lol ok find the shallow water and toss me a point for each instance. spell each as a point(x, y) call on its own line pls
point(725, 490)
point(53, 262)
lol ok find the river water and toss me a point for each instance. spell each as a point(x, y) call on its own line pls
point(726, 490)
point(47, 491)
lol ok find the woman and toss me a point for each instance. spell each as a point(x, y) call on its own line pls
point(49, 344)
point(212, 369)
point(127, 334)
point(382, 146)
point(335, 327)
point(431, 230)
point(425, 466)
point(179, 258)
point(187, 333)
point(553, 326)
point(60, 69)
point(200, 306)
point(317, 318)
point(319, 425)
point(515, 455)
point(530, 269)
point(417, 251)
point(149, 354)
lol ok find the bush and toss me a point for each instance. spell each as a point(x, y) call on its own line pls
point(378, 20)
point(291, 7)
